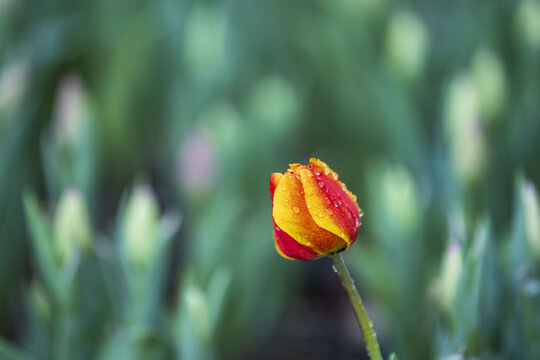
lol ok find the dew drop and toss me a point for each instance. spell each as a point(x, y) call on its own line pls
point(320, 214)
point(286, 200)
point(329, 211)
point(354, 197)
point(342, 234)
point(321, 184)
point(277, 229)
point(334, 176)
point(296, 209)
point(309, 206)
point(361, 212)
point(308, 244)
point(284, 188)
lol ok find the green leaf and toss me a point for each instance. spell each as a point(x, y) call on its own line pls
point(41, 239)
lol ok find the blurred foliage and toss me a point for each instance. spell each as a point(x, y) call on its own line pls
point(136, 142)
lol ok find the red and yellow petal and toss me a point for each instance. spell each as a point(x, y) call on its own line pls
point(274, 181)
point(291, 215)
point(290, 249)
point(330, 204)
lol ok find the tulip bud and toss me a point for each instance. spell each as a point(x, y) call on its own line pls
point(197, 306)
point(490, 80)
point(406, 44)
point(197, 162)
point(70, 112)
point(451, 270)
point(274, 103)
point(464, 129)
point(527, 23)
point(72, 229)
point(204, 43)
point(531, 214)
point(140, 226)
point(400, 199)
point(314, 214)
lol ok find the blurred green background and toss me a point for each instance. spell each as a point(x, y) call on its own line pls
point(136, 143)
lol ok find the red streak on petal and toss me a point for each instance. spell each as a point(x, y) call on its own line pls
point(345, 210)
point(290, 248)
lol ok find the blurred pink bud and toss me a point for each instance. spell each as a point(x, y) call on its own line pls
point(197, 161)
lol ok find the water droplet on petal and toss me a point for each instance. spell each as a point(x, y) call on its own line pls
point(329, 211)
point(320, 214)
point(286, 200)
point(361, 212)
point(334, 176)
point(284, 188)
point(321, 184)
point(296, 209)
point(309, 206)
point(342, 234)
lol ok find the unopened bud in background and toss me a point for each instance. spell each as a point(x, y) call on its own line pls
point(72, 229)
point(452, 264)
point(274, 103)
point(531, 215)
point(197, 307)
point(400, 199)
point(197, 162)
point(140, 226)
point(464, 129)
point(70, 112)
point(490, 78)
point(407, 44)
point(527, 23)
point(204, 42)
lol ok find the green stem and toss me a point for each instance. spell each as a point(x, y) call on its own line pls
point(365, 323)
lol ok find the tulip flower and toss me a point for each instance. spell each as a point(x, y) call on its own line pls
point(314, 216)
point(314, 213)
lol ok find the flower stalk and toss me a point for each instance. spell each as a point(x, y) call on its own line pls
point(365, 323)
